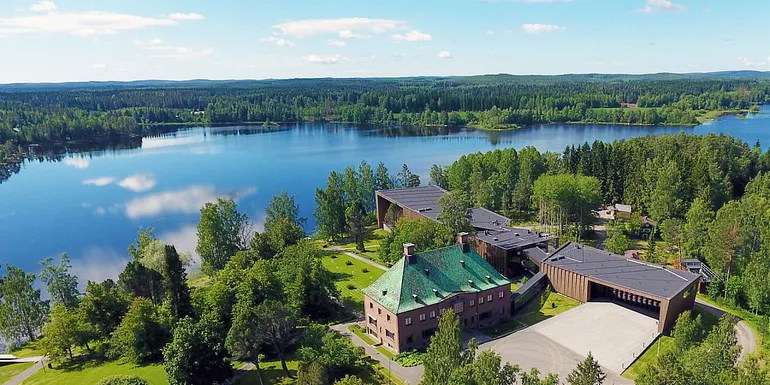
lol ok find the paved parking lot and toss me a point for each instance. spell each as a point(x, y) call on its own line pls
point(614, 334)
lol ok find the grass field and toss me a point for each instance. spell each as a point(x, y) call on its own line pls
point(30, 349)
point(555, 304)
point(706, 116)
point(350, 277)
point(90, 372)
point(665, 344)
point(10, 371)
point(372, 239)
point(358, 332)
point(271, 370)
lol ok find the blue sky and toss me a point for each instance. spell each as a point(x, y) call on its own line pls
point(76, 40)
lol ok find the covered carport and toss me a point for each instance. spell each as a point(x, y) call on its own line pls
point(588, 274)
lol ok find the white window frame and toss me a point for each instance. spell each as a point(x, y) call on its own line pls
point(489, 298)
point(408, 321)
point(502, 294)
point(473, 303)
point(432, 314)
point(481, 300)
point(422, 317)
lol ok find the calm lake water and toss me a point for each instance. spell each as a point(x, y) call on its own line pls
point(92, 204)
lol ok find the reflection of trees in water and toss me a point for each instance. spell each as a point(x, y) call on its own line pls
point(245, 130)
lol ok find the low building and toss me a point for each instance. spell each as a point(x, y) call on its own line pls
point(586, 274)
point(502, 246)
point(402, 307)
point(695, 266)
point(622, 211)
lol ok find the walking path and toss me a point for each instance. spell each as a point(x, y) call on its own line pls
point(358, 257)
point(38, 360)
point(746, 337)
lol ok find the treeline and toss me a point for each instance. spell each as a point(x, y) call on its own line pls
point(268, 295)
point(490, 102)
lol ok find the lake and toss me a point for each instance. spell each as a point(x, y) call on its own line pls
point(91, 204)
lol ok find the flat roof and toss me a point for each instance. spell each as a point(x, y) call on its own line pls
point(623, 208)
point(508, 238)
point(535, 254)
point(656, 280)
point(484, 219)
point(421, 199)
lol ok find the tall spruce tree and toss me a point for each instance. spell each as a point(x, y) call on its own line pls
point(175, 284)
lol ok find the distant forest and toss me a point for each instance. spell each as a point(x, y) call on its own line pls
point(104, 114)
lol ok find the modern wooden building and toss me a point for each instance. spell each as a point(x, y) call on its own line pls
point(403, 306)
point(586, 274)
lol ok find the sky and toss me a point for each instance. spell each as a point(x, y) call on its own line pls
point(97, 40)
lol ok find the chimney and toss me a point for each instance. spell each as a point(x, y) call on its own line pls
point(462, 263)
point(409, 253)
point(462, 240)
point(427, 272)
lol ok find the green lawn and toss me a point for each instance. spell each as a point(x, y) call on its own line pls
point(350, 277)
point(385, 352)
point(271, 370)
point(358, 332)
point(665, 344)
point(30, 349)
point(705, 116)
point(555, 304)
point(10, 371)
point(90, 372)
point(372, 239)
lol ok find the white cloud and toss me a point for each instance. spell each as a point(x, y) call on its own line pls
point(101, 181)
point(184, 201)
point(82, 24)
point(413, 35)
point(99, 66)
point(138, 182)
point(444, 55)
point(537, 29)
point(346, 27)
point(749, 63)
point(77, 162)
point(152, 42)
point(43, 6)
point(185, 239)
point(348, 34)
point(661, 5)
point(336, 43)
point(324, 59)
point(186, 16)
point(166, 51)
point(277, 41)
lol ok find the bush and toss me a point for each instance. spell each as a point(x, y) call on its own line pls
point(351, 286)
point(410, 358)
point(364, 270)
point(122, 379)
point(348, 263)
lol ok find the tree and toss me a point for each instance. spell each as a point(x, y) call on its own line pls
point(533, 378)
point(196, 354)
point(245, 340)
point(140, 335)
point(688, 331)
point(222, 231)
point(424, 233)
point(438, 177)
point(349, 380)
point(356, 215)
point(726, 237)
point(104, 306)
point(62, 286)
point(455, 212)
point(617, 243)
point(138, 280)
point(696, 228)
point(277, 325)
point(757, 285)
point(22, 312)
point(313, 373)
point(307, 285)
point(330, 212)
point(283, 233)
point(282, 206)
point(750, 371)
point(407, 179)
point(713, 361)
point(334, 352)
point(668, 192)
point(175, 284)
point(122, 379)
point(382, 178)
point(588, 372)
point(60, 333)
point(445, 353)
point(671, 232)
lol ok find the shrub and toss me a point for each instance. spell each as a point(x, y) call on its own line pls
point(351, 286)
point(122, 379)
point(364, 270)
point(348, 263)
point(410, 358)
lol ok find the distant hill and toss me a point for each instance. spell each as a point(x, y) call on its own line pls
point(398, 81)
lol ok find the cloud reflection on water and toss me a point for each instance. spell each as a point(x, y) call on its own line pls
point(184, 201)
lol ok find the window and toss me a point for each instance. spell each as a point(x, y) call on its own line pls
point(441, 311)
point(489, 298)
point(459, 307)
point(409, 339)
point(422, 317)
point(379, 311)
point(371, 305)
point(502, 294)
point(433, 314)
point(502, 310)
point(408, 320)
point(473, 303)
point(389, 334)
point(481, 300)
point(388, 317)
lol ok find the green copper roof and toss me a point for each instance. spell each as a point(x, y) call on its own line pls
point(446, 275)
